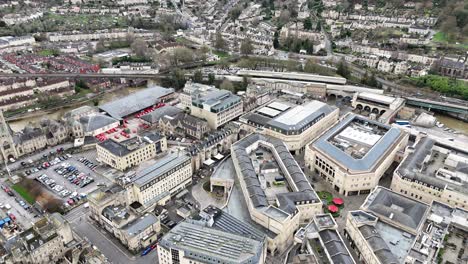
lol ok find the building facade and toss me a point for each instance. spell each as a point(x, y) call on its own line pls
point(353, 154)
point(156, 183)
point(131, 152)
point(433, 171)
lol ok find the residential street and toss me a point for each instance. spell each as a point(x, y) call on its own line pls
point(108, 245)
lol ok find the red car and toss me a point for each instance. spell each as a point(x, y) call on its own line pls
point(12, 216)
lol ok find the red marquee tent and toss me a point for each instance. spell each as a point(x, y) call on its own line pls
point(332, 208)
point(338, 201)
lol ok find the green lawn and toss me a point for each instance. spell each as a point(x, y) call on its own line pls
point(24, 193)
point(439, 37)
point(221, 54)
point(48, 52)
point(325, 196)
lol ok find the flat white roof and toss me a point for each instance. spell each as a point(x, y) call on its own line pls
point(208, 162)
point(269, 111)
point(219, 156)
point(279, 106)
point(377, 97)
point(360, 136)
point(299, 113)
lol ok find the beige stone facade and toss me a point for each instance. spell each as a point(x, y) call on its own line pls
point(345, 173)
point(129, 153)
point(432, 171)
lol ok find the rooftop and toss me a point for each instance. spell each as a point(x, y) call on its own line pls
point(128, 146)
point(228, 223)
point(216, 100)
point(154, 116)
point(210, 245)
point(135, 102)
point(140, 224)
point(358, 143)
point(393, 207)
point(300, 188)
point(390, 245)
point(380, 98)
point(437, 164)
point(287, 117)
point(96, 121)
point(335, 247)
point(159, 168)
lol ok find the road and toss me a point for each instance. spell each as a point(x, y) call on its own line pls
point(115, 252)
point(23, 217)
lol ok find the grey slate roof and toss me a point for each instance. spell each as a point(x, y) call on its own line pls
point(159, 168)
point(411, 166)
point(135, 102)
point(210, 245)
point(401, 209)
point(378, 245)
point(140, 224)
point(373, 155)
point(228, 223)
point(159, 113)
point(94, 122)
point(335, 247)
point(286, 201)
point(115, 148)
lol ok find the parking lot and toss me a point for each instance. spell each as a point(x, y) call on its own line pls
point(70, 176)
point(10, 205)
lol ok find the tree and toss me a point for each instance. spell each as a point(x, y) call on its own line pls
point(449, 28)
point(177, 78)
point(308, 23)
point(211, 78)
point(227, 85)
point(181, 55)
point(140, 48)
point(276, 40)
point(284, 17)
point(198, 76)
point(220, 44)
point(100, 46)
point(246, 47)
point(235, 13)
point(245, 83)
point(343, 69)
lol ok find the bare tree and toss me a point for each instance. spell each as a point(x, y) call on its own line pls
point(140, 48)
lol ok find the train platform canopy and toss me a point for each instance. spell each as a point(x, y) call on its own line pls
point(133, 103)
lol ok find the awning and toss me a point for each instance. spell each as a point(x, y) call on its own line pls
point(219, 156)
point(208, 162)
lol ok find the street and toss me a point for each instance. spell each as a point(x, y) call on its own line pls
point(115, 252)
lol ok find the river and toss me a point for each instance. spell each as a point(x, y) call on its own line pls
point(452, 123)
point(57, 114)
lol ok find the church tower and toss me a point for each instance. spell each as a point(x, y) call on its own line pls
point(7, 145)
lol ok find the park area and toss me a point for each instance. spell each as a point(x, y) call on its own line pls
point(32, 192)
point(333, 205)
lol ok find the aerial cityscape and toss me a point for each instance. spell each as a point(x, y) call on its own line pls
point(234, 132)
